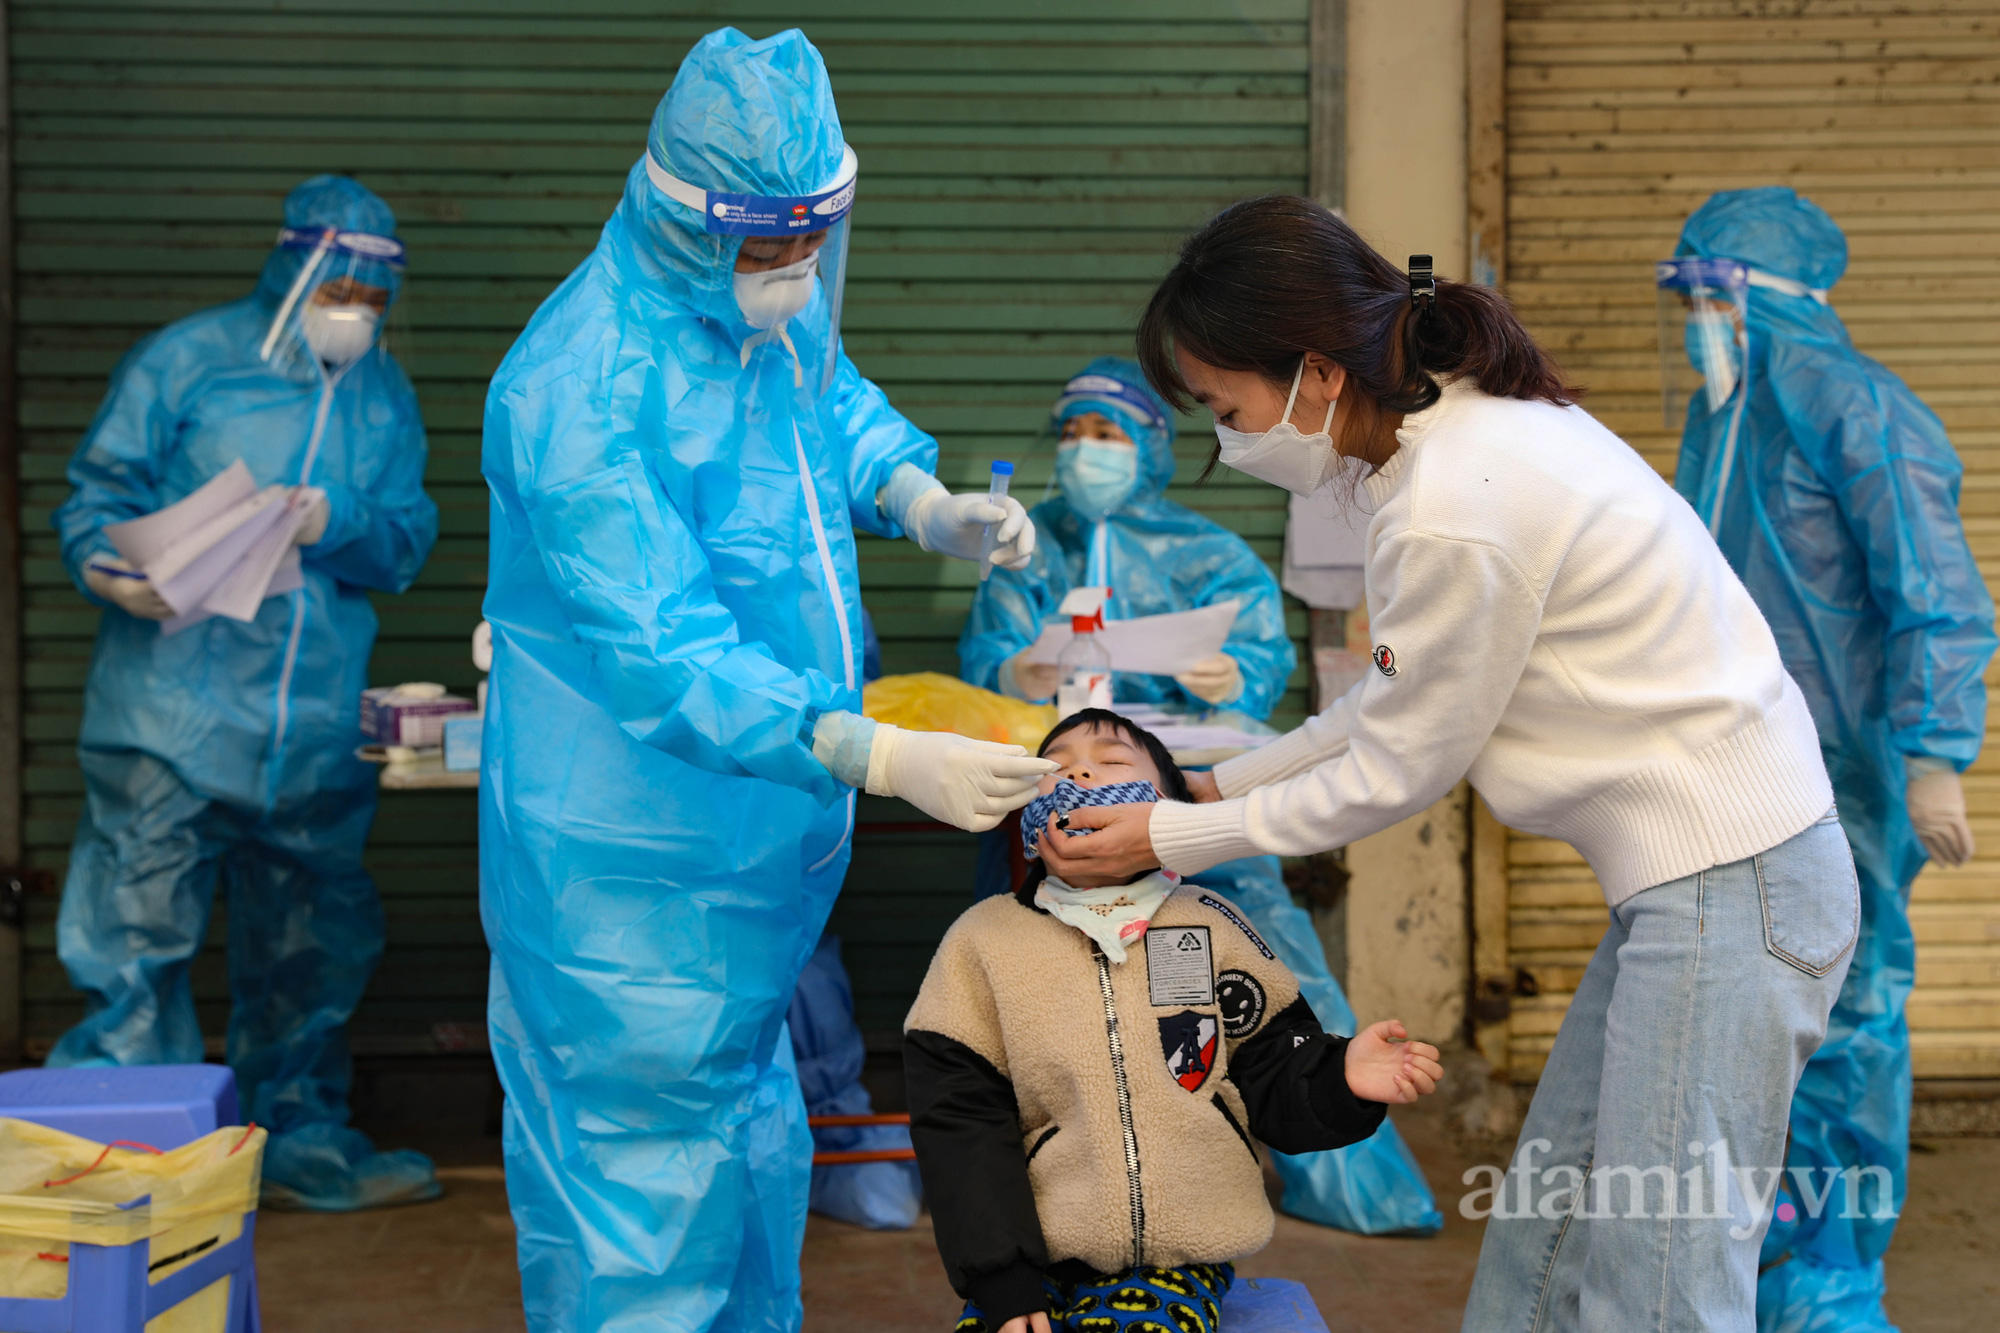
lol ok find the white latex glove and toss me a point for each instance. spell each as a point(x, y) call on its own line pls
point(937, 520)
point(966, 783)
point(1936, 803)
point(1032, 681)
point(131, 591)
point(314, 527)
point(1215, 680)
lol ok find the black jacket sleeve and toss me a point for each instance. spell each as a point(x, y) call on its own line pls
point(1293, 1077)
point(966, 1127)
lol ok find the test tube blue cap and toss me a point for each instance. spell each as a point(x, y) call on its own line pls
point(1003, 467)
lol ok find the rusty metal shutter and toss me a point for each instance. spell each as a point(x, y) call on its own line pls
point(1621, 119)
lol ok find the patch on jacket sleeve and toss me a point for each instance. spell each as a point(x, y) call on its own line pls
point(1241, 997)
point(1187, 1039)
point(1223, 909)
point(1179, 969)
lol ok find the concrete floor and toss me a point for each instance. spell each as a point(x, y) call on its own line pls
point(448, 1267)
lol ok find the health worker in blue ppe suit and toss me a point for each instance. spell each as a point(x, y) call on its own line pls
point(679, 453)
point(1112, 525)
point(1833, 492)
point(220, 747)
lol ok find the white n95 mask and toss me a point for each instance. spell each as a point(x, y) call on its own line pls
point(338, 333)
point(1282, 455)
point(772, 296)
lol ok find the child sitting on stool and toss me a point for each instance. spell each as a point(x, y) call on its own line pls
point(1088, 1068)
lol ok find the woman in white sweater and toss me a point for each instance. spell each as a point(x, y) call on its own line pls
point(1553, 622)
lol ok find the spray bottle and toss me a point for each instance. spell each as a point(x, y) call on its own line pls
point(1083, 668)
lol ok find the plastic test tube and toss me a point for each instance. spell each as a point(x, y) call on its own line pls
point(996, 489)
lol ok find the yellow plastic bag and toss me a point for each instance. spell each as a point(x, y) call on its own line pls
point(57, 1190)
point(931, 701)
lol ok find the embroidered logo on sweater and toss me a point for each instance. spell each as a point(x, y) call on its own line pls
point(1385, 659)
point(1241, 997)
point(1178, 970)
point(1187, 1039)
point(1222, 908)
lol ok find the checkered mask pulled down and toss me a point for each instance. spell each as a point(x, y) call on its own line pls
point(1068, 796)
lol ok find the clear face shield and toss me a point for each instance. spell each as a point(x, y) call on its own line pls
point(334, 308)
point(793, 248)
point(1704, 309)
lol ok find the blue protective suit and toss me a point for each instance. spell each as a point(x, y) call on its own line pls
point(1159, 556)
point(229, 747)
point(1156, 555)
point(673, 563)
point(1841, 516)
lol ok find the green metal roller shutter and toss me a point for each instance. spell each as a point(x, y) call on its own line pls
point(1027, 169)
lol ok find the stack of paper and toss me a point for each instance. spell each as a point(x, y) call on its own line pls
point(1153, 645)
point(222, 550)
point(1326, 548)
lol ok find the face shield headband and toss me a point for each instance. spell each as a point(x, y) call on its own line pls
point(1085, 389)
point(725, 213)
point(330, 255)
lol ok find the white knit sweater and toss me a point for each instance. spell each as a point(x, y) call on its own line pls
point(1554, 622)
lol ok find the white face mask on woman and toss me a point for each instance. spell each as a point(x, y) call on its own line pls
point(1282, 455)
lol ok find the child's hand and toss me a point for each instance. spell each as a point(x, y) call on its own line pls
point(1383, 1065)
point(1027, 1323)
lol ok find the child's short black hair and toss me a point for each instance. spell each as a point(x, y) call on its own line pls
point(1173, 782)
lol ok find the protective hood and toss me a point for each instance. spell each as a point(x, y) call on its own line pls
point(749, 117)
point(1771, 229)
point(1115, 387)
point(339, 202)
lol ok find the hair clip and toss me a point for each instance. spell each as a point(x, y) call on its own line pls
point(1423, 286)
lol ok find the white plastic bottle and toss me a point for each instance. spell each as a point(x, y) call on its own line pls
point(1083, 667)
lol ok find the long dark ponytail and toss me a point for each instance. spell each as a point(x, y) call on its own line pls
point(1268, 280)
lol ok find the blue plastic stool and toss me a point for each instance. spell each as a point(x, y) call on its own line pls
point(1269, 1305)
point(164, 1107)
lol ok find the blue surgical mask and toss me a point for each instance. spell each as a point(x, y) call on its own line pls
point(1097, 476)
point(1067, 796)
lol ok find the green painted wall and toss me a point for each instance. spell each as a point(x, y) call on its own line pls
point(1027, 169)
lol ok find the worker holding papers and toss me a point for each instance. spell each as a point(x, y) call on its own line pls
point(1112, 526)
point(254, 471)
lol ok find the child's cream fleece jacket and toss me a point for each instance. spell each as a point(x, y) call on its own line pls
point(1068, 1111)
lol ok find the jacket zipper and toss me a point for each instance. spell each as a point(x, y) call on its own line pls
point(1117, 1044)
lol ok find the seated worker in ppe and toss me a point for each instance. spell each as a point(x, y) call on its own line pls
point(1082, 1183)
point(679, 454)
point(224, 747)
point(1111, 524)
point(1833, 491)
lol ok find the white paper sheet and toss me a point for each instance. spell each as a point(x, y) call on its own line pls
point(144, 540)
point(221, 550)
point(254, 577)
point(194, 567)
point(1150, 645)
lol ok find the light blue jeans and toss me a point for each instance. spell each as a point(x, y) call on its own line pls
point(1645, 1174)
